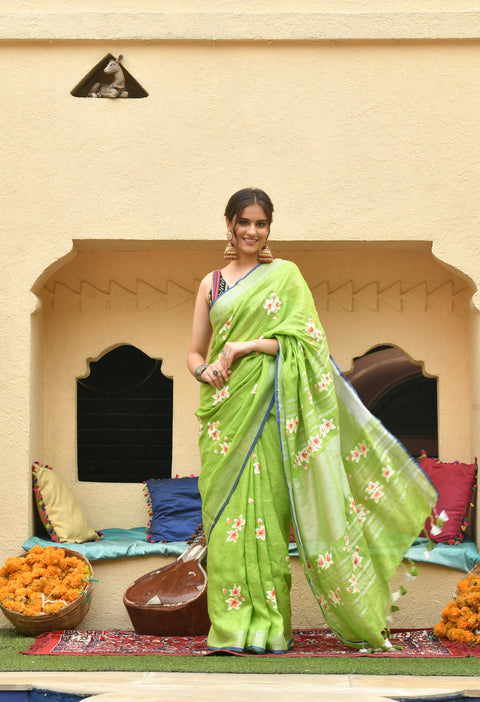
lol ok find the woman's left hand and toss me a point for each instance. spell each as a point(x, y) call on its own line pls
point(233, 350)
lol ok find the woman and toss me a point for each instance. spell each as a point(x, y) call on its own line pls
point(283, 437)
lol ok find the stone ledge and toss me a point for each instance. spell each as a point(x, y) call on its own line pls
point(238, 26)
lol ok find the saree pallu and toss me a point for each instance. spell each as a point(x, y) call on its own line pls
point(287, 439)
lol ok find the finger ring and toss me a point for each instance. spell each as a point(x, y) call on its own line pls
point(215, 373)
point(224, 353)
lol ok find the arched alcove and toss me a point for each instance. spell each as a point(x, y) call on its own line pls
point(397, 392)
point(142, 294)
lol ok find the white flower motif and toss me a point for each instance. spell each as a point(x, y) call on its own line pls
point(224, 446)
point(359, 510)
point(291, 425)
point(387, 471)
point(314, 443)
point(235, 600)
point(357, 559)
point(323, 384)
point(213, 430)
point(334, 597)
point(254, 391)
point(239, 522)
point(358, 452)
point(224, 330)
point(302, 458)
point(234, 603)
point(312, 331)
point(375, 491)
point(353, 584)
point(325, 560)
point(272, 305)
point(221, 394)
point(260, 531)
point(326, 426)
point(272, 598)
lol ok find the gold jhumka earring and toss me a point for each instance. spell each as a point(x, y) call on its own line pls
point(265, 255)
point(230, 253)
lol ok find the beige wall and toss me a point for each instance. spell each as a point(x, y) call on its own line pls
point(361, 123)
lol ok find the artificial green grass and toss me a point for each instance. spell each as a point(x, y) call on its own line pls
point(12, 642)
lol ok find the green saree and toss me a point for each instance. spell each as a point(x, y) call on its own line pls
point(287, 439)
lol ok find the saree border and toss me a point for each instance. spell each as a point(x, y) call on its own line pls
point(240, 472)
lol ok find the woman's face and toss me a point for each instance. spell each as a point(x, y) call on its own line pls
point(250, 229)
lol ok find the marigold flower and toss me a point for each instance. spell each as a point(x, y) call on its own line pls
point(59, 591)
point(74, 580)
point(53, 607)
point(440, 630)
point(33, 609)
point(463, 585)
point(461, 618)
point(461, 635)
point(13, 605)
point(43, 581)
point(35, 550)
point(472, 599)
point(450, 612)
point(71, 595)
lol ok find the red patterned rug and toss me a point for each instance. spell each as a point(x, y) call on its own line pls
point(414, 643)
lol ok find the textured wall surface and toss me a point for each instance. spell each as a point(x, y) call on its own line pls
point(360, 122)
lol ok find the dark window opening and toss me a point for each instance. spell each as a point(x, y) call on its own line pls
point(395, 390)
point(124, 419)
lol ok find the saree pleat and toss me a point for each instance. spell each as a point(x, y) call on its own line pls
point(248, 562)
point(288, 439)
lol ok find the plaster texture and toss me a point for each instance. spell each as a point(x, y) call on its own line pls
point(361, 123)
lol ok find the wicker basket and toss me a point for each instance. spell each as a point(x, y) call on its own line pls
point(67, 618)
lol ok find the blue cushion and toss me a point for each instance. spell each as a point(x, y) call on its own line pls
point(175, 508)
point(117, 543)
point(462, 556)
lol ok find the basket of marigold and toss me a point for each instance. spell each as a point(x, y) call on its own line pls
point(461, 616)
point(45, 589)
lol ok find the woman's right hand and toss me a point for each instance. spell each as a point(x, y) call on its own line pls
point(216, 374)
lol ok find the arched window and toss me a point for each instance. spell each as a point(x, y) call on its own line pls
point(395, 390)
point(124, 419)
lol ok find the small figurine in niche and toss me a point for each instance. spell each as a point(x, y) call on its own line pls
point(115, 89)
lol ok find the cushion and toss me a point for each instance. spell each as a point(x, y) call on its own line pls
point(456, 483)
point(61, 515)
point(116, 543)
point(175, 508)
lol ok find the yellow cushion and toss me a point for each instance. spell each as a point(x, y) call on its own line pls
point(61, 515)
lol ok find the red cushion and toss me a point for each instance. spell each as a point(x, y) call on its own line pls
point(456, 483)
point(292, 535)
